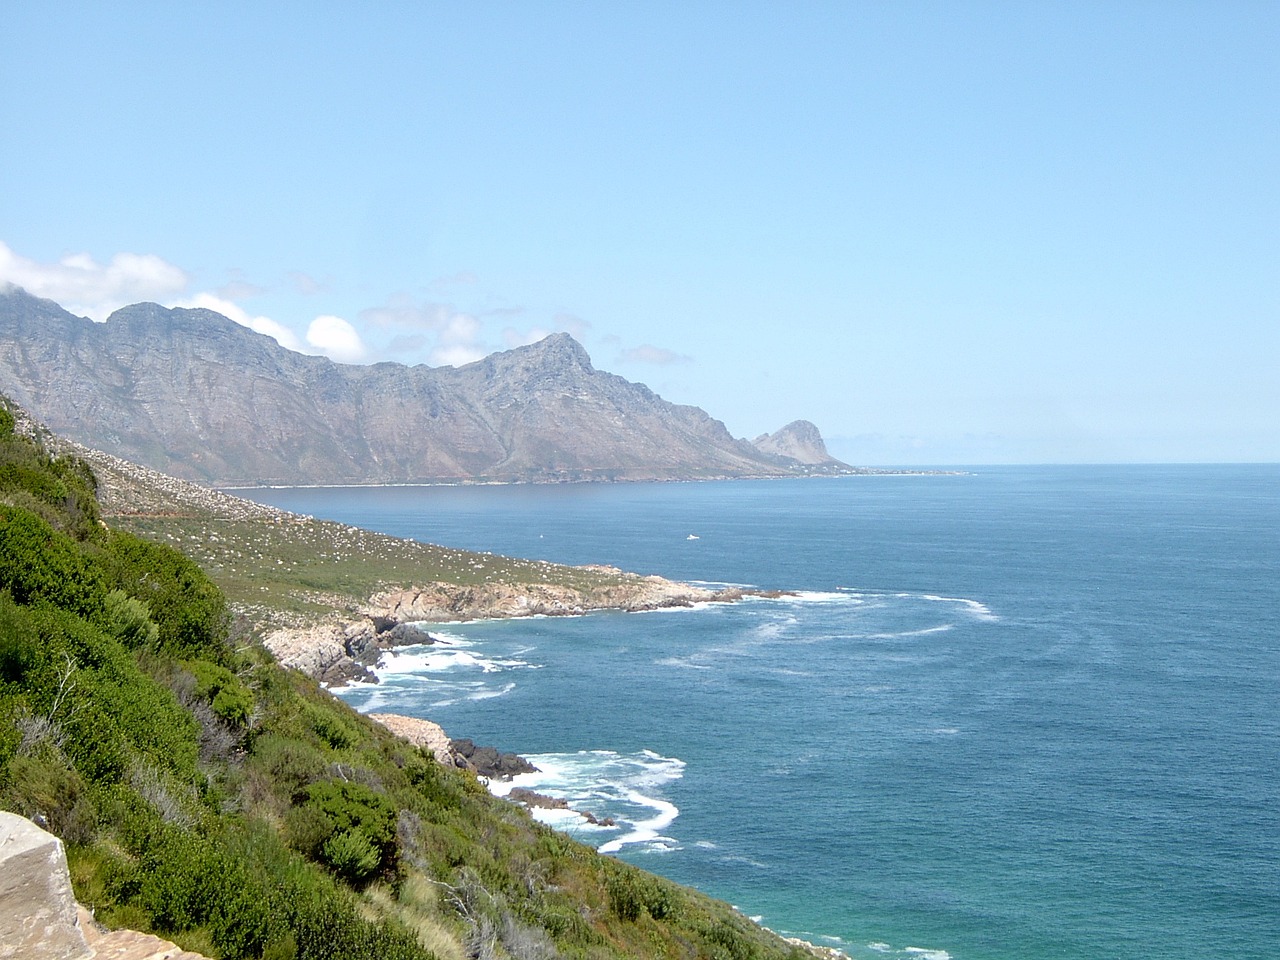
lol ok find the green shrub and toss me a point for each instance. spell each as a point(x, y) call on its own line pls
point(290, 765)
point(356, 809)
point(45, 785)
point(39, 565)
point(18, 653)
point(352, 855)
point(129, 620)
point(189, 611)
point(231, 700)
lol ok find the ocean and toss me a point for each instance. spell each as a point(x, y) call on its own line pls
point(1023, 712)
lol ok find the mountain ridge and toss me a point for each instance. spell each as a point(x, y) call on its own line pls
point(192, 393)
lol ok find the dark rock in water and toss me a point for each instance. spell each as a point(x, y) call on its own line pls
point(488, 762)
point(364, 649)
point(404, 635)
point(531, 798)
point(347, 671)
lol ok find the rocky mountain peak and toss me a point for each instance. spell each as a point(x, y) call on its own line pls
point(556, 352)
point(196, 395)
point(799, 440)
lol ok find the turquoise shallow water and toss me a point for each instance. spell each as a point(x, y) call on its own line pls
point(1027, 712)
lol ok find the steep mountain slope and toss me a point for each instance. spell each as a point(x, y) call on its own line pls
point(192, 393)
point(799, 441)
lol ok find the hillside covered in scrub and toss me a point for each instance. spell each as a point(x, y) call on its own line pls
point(207, 794)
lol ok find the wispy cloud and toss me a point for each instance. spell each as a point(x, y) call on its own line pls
point(304, 283)
point(86, 287)
point(458, 342)
point(458, 334)
point(659, 356)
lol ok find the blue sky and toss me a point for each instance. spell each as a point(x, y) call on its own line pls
point(945, 232)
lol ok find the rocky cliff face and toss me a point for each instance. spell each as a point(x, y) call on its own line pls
point(193, 394)
point(798, 441)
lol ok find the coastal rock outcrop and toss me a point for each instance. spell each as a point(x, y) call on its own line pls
point(491, 762)
point(39, 916)
point(422, 733)
point(446, 601)
point(337, 651)
point(461, 753)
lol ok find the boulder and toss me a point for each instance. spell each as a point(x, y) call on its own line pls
point(489, 762)
point(38, 918)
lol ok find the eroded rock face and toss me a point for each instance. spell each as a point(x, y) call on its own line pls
point(422, 733)
point(445, 601)
point(38, 918)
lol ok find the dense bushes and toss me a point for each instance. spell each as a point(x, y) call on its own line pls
point(189, 611)
point(209, 795)
point(39, 565)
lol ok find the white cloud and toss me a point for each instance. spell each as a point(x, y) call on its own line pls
point(458, 342)
point(336, 339)
point(458, 356)
point(233, 311)
point(84, 286)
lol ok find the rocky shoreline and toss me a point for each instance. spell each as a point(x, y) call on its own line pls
point(342, 649)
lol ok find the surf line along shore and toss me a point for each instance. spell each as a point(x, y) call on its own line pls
point(339, 648)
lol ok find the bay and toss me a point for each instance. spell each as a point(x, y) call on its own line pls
point(1021, 712)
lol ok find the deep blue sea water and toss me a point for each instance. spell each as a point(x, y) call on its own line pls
point(1020, 713)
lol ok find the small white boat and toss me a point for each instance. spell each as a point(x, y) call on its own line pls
point(693, 536)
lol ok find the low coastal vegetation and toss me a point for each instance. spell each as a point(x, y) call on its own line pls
point(284, 569)
point(209, 795)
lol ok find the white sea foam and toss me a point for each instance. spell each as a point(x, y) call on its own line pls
point(490, 693)
point(647, 831)
point(682, 662)
point(927, 953)
point(694, 607)
point(925, 631)
point(447, 658)
point(978, 610)
point(626, 787)
point(820, 596)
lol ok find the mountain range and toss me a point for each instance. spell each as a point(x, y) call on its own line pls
point(196, 395)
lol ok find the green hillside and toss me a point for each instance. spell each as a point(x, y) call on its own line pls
point(208, 795)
